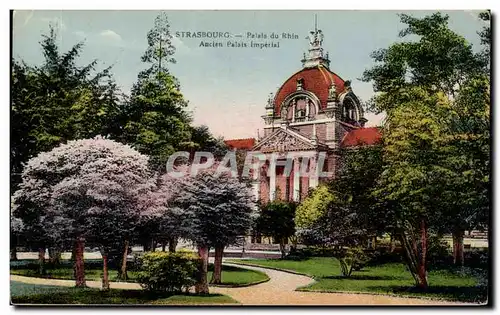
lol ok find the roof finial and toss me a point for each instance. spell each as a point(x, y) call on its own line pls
point(315, 56)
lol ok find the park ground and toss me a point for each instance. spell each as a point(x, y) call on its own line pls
point(315, 281)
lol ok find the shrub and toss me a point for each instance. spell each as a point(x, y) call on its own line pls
point(477, 258)
point(383, 255)
point(438, 253)
point(351, 258)
point(168, 272)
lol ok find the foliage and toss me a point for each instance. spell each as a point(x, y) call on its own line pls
point(168, 272)
point(313, 207)
point(277, 220)
point(78, 189)
point(438, 252)
point(202, 140)
point(58, 101)
point(160, 218)
point(406, 63)
point(218, 209)
point(382, 255)
point(434, 91)
point(351, 258)
point(160, 50)
point(154, 118)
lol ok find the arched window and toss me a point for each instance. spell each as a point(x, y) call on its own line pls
point(299, 108)
point(349, 113)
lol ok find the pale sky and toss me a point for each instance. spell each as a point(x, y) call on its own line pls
point(227, 88)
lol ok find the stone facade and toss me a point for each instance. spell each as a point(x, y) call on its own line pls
point(309, 115)
point(307, 122)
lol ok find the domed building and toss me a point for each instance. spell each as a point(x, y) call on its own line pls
point(311, 117)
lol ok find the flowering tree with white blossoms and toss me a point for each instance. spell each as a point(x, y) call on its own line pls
point(87, 191)
point(218, 209)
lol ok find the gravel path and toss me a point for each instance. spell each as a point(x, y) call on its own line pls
point(279, 290)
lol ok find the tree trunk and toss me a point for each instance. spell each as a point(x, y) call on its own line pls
point(282, 248)
point(146, 246)
point(123, 269)
point(172, 244)
point(202, 285)
point(105, 276)
point(79, 262)
point(73, 253)
point(393, 244)
point(13, 253)
point(41, 260)
point(422, 270)
point(217, 275)
point(163, 246)
point(458, 247)
point(54, 255)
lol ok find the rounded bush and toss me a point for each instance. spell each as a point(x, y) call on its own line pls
point(168, 272)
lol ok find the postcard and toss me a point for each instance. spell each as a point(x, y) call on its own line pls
point(268, 158)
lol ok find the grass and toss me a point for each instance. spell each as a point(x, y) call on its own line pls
point(22, 293)
point(391, 278)
point(231, 276)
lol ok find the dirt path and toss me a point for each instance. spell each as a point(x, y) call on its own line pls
point(279, 290)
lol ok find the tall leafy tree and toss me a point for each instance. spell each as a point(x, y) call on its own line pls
point(154, 118)
point(58, 101)
point(203, 140)
point(218, 210)
point(86, 191)
point(415, 147)
point(441, 64)
point(277, 219)
point(344, 214)
point(160, 51)
point(439, 61)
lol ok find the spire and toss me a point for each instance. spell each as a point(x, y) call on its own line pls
point(315, 56)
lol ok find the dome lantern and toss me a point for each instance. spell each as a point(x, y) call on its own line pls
point(315, 56)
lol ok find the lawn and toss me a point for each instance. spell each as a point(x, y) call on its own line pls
point(22, 293)
point(231, 276)
point(391, 278)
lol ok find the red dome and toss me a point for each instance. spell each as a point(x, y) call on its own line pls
point(316, 80)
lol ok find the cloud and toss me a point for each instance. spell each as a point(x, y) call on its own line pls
point(109, 34)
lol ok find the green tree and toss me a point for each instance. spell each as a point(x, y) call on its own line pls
point(414, 171)
point(359, 171)
point(277, 220)
point(58, 101)
point(203, 140)
point(407, 63)
point(218, 209)
point(439, 63)
point(155, 120)
point(160, 51)
point(313, 207)
point(154, 117)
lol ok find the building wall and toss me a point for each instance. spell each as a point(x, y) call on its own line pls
point(321, 132)
point(306, 130)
